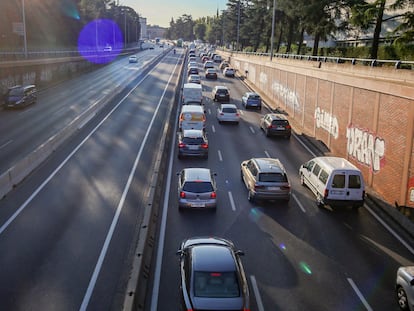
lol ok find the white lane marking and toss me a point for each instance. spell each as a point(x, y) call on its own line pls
point(213, 128)
point(390, 230)
point(220, 156)
point(209, 111)
point(267, 154)
point(6, 143)
point(357, 291)
point(256, 293)
point(304, 146)
point(233, 206)
point(298, 202)
point(252, 129)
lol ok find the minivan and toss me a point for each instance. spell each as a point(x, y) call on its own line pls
point(334, 181)
point(192, 117)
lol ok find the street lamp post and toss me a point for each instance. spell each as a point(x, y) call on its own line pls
point(273, 30)
point(238, 25)
point(24, 30)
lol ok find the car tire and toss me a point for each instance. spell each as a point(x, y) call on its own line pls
point(402, 298)
point(319, 202)
point(250, 197)
point(267, 133)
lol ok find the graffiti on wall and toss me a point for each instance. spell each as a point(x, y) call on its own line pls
point(289, 97)
point(365, 147)
point(327, 121)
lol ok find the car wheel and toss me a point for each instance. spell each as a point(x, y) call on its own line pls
point(302, 180)
point(319, 202)
point(267, 133)
point(250, 197)
point(402, 298)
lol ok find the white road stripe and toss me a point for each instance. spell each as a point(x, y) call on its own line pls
point(213, 128)
point(233, 206)
point(298, 202)
point(219, 155)
point(361, 297)
point(256, 293)
point(252, 129)
point(267, 154)
point(6, 143)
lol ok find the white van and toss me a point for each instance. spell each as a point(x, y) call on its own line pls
point(192, 94)
point(334, 181)
point(192, 117)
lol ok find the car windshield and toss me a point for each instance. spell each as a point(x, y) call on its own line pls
point(254, 97)
point(272, 177)
point(216, 284)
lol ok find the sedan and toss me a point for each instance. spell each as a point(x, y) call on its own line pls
point(133, 59)
point(208, 64)
point(192, 143)
point(251, 99)
point(211, 74)
point(228, 113)
point(192, 71)
point(212, 275)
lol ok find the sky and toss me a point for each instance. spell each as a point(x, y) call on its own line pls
point(160, 12)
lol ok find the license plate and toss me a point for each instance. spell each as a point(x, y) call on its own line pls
point(273, 188)
point(198, 205)
point(280, 128)
point(193, 147)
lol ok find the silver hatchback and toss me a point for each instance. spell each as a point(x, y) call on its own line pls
point(265, 179)
point(197, 189)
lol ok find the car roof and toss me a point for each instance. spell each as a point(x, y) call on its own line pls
point(277, 116)
point(212, 257)
point(269, 165)
point(211, 70)
point(335, 163)
point(222, 87)
point(228, 106)
point(193, 133)
point(200, 174)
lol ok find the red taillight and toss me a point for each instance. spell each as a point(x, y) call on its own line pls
point(258, 187)
point(288, 127)
point(204, 146)
point(182, 194)
point(181, 145)
point(326, 193)
point(213, 195)
point(271, 126)
point(237, 114)
point(285, 187)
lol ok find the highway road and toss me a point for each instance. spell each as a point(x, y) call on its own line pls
point(297, 256)
point(67, 232)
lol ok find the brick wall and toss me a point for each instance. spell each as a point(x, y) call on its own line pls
point(364, 114)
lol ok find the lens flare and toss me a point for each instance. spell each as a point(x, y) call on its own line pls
point(69, 9)
point(100, 41)
point(305, 267)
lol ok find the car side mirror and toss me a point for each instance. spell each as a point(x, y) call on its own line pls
point(179, 252)
point(240, 253)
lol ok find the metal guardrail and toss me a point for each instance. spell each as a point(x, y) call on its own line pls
point(397, 64)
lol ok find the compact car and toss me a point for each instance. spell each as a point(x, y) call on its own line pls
point(265, 179)
point(133, 59)
point(192, 143)
point(211, 74)
point(194, 79)
point(228, 113)
point(252, 100)
point(197, 189)
point(20, 96)
point(212, 275)
point(404, 288)
point(228, 72)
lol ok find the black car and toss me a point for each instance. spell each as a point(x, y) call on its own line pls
point(212, 275)
point(20, 96)
point(192, 143)
point(220, 93)
point(275, 124)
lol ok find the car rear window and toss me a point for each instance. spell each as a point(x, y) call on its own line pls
point(193, 141)
point(216, 284)
point(354, 182)
point(338, 181)
point(229, 110)
point(222, 91)
point(272, 177)
point(254, 97)
point(198, 187)
point(280, 122)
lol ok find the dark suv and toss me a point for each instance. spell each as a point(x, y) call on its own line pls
point(20, 96)
point(221, 93)
point(275, 124)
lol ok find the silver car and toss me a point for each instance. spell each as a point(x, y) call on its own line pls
point(197, 189)
point(265, 179)
point(404, 287)
point(228, 113)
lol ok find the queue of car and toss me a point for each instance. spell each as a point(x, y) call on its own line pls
point(205, 283)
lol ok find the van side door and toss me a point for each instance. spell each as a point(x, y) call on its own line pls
point(338, 186)
point(355, 187)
